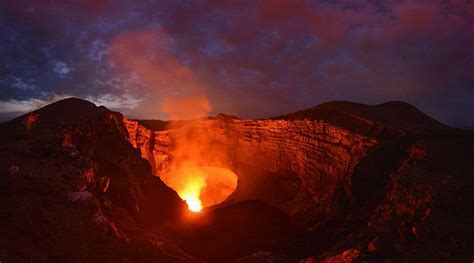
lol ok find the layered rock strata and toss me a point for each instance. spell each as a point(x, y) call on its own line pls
point(315, 156)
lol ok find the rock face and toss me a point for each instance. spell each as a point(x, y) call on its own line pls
point(355, 176)
point(337, 182)
point(315, 156)
point(81, 190)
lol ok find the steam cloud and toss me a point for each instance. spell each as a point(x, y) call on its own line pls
point(196, 171)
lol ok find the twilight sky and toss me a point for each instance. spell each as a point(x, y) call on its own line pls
point(244, 57)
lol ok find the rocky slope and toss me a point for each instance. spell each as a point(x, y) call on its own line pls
point(74, 189)
point(357, 177)
point(314, 157)
point(337, 182)
point(312, 153)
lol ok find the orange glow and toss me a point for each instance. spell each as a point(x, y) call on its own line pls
point(196, 168)
point(188, 183)
point(194, 204)
point(31, 120)
point(187, 107)
point(202, 186)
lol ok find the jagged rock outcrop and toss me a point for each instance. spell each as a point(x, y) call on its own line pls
point(312, 153)
point(337, 182)
point(358, 176)
point(82, 192)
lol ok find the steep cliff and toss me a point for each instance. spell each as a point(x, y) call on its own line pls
point(364, 182)
point(312, 159)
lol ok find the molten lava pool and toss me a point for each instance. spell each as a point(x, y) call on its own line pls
point(201, 186)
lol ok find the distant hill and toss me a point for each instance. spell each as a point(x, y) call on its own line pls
point(384, 121)
point(381, 119)
point(61, 111)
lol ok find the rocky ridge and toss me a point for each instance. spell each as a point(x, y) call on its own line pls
point(316, 155)
point(340, 181)
point(74, 189)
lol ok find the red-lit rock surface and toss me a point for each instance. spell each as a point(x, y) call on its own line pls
point(340, 161)
point(341, 181)
point(313, 152)
point(315, 158)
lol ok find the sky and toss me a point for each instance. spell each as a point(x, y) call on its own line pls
point(248, 58)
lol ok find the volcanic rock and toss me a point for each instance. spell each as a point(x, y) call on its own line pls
point(340, 181)
point(339, 170)
point(81, 207)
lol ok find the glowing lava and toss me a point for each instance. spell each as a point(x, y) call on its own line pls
point(190, 189)
point(202, 186)
point(194, 204)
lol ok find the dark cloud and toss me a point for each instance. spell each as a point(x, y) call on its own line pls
point(250, 58)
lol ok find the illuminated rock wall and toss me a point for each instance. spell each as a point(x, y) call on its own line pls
point(320, 155)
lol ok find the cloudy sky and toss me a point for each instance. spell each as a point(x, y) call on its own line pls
point(246, 57)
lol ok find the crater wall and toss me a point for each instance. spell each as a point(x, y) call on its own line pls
point(315, 158)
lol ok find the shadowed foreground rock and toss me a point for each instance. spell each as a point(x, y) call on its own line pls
point(82, 192)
